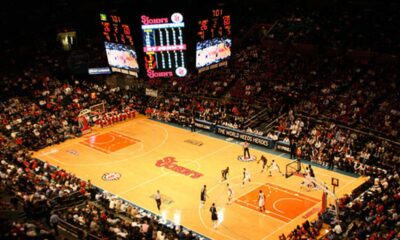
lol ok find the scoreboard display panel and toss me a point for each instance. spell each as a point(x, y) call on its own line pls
point(163, 46)
point(119, 45)
point(214, 42)
point(115, 31)
point(216, 24)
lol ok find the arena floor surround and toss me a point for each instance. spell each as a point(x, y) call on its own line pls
point(134, 159)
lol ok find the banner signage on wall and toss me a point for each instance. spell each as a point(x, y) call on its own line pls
point(233, 133)
point(204, 125)
point(251, 138)
point(283, 146)
point(151, 92)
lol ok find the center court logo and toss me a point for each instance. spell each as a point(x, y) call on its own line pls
point(246, 159)
point(171, 164)
point(111, 176)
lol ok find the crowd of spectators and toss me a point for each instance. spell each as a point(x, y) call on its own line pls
point(329, 145)
point(370, 212)
point(107, 215)
point(28, 230)
point(182, 108)
point(374, 214)
point(342, 26)
point(336, 87)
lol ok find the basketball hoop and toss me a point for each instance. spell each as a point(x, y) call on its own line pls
point(98, 108)
point(84, 112)
point(326, 192)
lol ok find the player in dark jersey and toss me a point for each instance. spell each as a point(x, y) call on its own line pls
point(225, 173)
point(214, 215)
point(157, 197)
point(230, 193)
point(264, 160)
point(311, 171)
point(203, 196)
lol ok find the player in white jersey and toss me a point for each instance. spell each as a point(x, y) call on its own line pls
point(246, 176)
point(307, 180)
point(230, 193)
point(274, 167)
point(261, 201)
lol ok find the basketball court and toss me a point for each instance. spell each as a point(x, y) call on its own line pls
point(134, 159)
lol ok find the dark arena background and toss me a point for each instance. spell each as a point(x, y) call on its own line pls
point(200, 119)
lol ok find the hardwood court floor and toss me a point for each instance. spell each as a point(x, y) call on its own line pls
point(142, 150)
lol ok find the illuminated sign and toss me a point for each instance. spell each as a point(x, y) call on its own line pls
point(163, 46)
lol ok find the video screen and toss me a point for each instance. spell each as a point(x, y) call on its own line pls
point(121, 57)
point(212, 51)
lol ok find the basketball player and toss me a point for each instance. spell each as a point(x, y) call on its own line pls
point(311, 171)
point(192, 125)
point(246, 149)
point(230, 193)
point(307, 180)
point(225, 173)
point(203, 196)
point(298, 168)
point(261, 201)
point(264, 161)
point(246, 176)
point(273, 167)
point(157, 197)
point(214, 215)
point(312, 175)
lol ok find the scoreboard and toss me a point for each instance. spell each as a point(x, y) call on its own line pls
point(217, 24)
point(119, 45)
point(163, 46)
point(115, 31)
point(214, 42)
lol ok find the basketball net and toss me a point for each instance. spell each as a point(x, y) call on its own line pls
point(326, 192)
